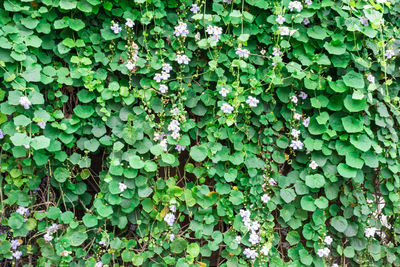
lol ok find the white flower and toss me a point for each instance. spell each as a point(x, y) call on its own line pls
point(175, 111)
point(313, 165)
point(180, 148)
point(245, 214)
point(172, 208)
point(169, 219)
point(238, 239)
point(22, 210)
point(181, 29)
point(250, 253)
point(174, 126)
point(276, 52)
point(15, 244)
point(364, 21)
point(103, 243)
point(389, 53)
point(47, 237)
point(226, 108)
point(254, 238)
point(214, 31)
point(24, 101)
point(224, 92)
point(99, 264)
point(64, 253)
point(17, 254)
point(2, 134)
point(157, 77)
point(265, 250)
point(296, 144)
point(371, 78)
point(308, 2)
point(165, 75)
point(166, 67)
point(195, 8)
point(27, 146)
point(129, 23)
point(163, 88)
point(263, 51)
point(323, 252)
point(370, 231)
point(164, 144)
point(116, 28)
point(303, 95)
point(284, 30)
point(297, 116)
point(306, 122)
point(255, 225)
point(272, 182)
point(295, 5)
point(265, 198)
point(280, 19)
point(171, 237)
point(242, 52)
point(122, 187)
point(295, 133)
point(182, 59)
point(175, 135)
point(252, 101)
point(335, 265)
point(130, 65)
point(294, 99)
point(53, 228)
point(197, 36)
point(328, 239)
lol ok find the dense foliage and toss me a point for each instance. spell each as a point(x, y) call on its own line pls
point(199, 133)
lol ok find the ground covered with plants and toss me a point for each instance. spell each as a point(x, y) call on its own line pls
point(199, 133)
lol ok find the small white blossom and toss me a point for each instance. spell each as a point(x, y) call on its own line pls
point(166, 67)
point(297, 116)
point(296, 144)
point(295, 5)
point(22, 210)
point(24, 101)
point(195, 8)
point(47, 237)
point(174, 126)
point(129, 23)
point(224, 92)
point(252, 101)
point(313, 165)
point(182, 59)
point(303, 95)
point(157, 77)
point(294, 99)
point(280, 19)
point(371, 78)
point(226, 108)
point(389, 53)
point(265, 198)
point(130, 65)
point(214, 31)
point(323, 252)
point(245, 214)
point(250, 253)
point(181, 30)
point(370, 231)
point(180, 148)
point(163, 88)
point(335, 265)
point(364, 21)
point(169, 219)
point(238, 239)
point(164, 144)
point(53, 228)
point(122, 187)
point(172, 208)
point(277, 52)
point(175, 135)
point(64, 253)
point(328, 239)
point(175, 111)
point(263, 51)
point(17, 254)
point(171, 237)
point(116, 28)
point(99, 264)
point(308, 2)
point(2, 134)
point(295, 133)
point(242, 52)
point(165, 75)
point(306, 21)
point(15, 244)
point(265, 250)
point(272, 182)
point(197, 36)
point(254, 238)
point(306, 122)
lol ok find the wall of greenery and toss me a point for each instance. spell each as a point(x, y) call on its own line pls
point(199, 133)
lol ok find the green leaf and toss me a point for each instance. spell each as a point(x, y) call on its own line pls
point(84, 112)
point(198, 153)
point(68, 4)
point(315, 181)
point(135, 162)
point(354, 105)
point(339, 223)
point(40, 142)
point(346, 171)
point(61, 174)
point(317, 32)
point(307, 203)
point(193, 249)
point(361, 142)
point(352, 125)
point(168, 158)
point(354, 79)
point(90, 220)
point(287, 194)
point(178, 245)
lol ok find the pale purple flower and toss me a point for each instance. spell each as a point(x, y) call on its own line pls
point(295, 5)
point(227, 1)
point(245, 214)
point(238, 239)
point(284, 31)
point(182, 59)
point(165, 75)
point(306, 21)
point(265, 198)
point(129, 23)
point(22, 210)
point(250, 253)
point(313, 165)
point(371, 78)
point(181, 29)
point(164, 144)
point(47, 237)
point(180, 148)
point(277, 52)
point(195, 8)
point(214, 31)
point(224, 92)
point(2, 134)
point(27, 146)
point(242, 52)
point(172, 208)
point(272, 182)
point(174, 126)
point(328, 240)
point(130, 65)
point(163, 88)
point(15, 244)
point(53, 228)
point(24, 101)
point(389, 53)
point(308, 2)
point(296, 144)
point(303, 95)
point(197, 36)
point(122, 187)
point(294, 99)
point(295, 133)
point(17, 254)
point(103, 243)
point(252, 101)
point(166, 67)
point(116, 28)
point(171, 237)
point(306, 122)
point(175, 111)
point(280, 19)
point(265, 250)
point(42, 124)
point(175, 135)
point(157, 77)
point(364, 21)
point(99, 264)
point(226, 108)
point(297, 116)
point(169, 219)
point(254, 238)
